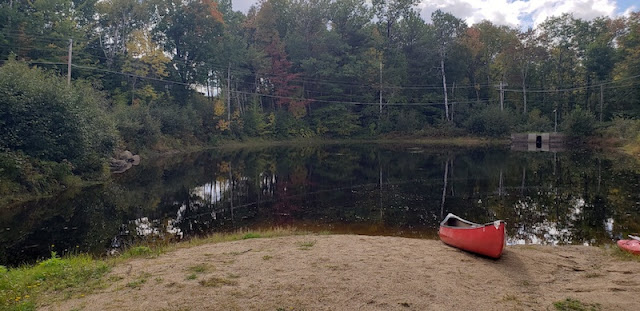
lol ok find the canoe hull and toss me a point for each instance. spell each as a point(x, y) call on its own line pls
point(631, 246)
point(487, 240)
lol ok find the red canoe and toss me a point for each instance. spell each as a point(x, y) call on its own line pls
point(631, 246)
point(487, 239)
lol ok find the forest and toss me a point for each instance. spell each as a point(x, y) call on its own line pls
point(80, 79)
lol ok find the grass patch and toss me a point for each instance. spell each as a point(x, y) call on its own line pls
point(192, 276)
point(267, 257)
point(623, 255)
point(251, 235)
point(217, 282)
point(156, 250)
point(142, 278)
point(21, 287)
point(142, 251)
point(575, 305)
point(240, 235)
point(199, 268)
point(306, 245)
point(137, 283)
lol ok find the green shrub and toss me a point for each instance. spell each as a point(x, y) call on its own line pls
point(622, 128)
point(20, 174)
point(48, 120)
point(490, 121)
point(176, 121)
point(286, 126)
point(579, 123)
point(334, 121)
point(138, 128)
point(408, 120)
point(254, 121)
point(536, 122)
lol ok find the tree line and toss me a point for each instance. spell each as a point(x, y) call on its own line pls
point(168, 73)
point(333, 68)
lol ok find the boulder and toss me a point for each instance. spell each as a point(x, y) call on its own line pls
point(135, 160)
point(119, 166)
point(125, 155)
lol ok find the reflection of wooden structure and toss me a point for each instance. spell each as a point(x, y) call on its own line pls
point(552, 142)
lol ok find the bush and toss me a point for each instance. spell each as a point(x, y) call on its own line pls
point(622, 128)
point(286, 126)
point(536, 122)
point(254, 121)
point(44, 118)
point(137, 127)
point(408, 120)
point(490, 121)
point(579, 123)
point(20, 173)
point(334, 120)
point(177, 121)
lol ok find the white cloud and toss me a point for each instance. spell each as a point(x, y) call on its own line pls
point(518, 13)
point(515, 13)
point(242, 5)
point(630, 10)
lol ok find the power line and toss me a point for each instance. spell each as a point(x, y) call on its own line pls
point(573, 88)
point(356, 103)
point(115, 72)
point(259, 94)
point(332, 82)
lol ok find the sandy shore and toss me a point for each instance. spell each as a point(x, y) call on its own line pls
point(350, 272)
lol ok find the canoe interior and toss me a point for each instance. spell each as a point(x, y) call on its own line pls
point(456, 222)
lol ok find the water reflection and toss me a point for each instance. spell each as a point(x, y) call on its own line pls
point(546, 198)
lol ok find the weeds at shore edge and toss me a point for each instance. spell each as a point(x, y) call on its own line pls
point(23, 288)
point(76, 275)
point(570, 304)
point(623, 255)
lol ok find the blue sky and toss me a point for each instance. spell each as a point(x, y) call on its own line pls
point(516, 13)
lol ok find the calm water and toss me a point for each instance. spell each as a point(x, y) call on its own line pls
point(401, 190)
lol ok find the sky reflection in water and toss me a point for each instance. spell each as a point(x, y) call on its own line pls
point(565, 198)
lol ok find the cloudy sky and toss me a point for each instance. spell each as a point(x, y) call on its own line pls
point(517, 13)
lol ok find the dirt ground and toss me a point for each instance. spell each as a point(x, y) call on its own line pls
point(351, 272)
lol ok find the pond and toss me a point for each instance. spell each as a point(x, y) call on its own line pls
point(572, 197)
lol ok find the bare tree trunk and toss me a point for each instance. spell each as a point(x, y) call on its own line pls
point(444, 87)
point(524, 98)
point(133, 89)
point(380, 190)
point(229, 93)
point(444, 188)
point(601, 100)
point(231, 192)
point(524, 174)
point(500, 186)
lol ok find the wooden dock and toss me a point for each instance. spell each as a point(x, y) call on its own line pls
point(546, 142)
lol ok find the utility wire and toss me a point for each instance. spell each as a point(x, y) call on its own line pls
point(351, 84)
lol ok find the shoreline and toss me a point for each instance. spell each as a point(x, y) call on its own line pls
point(294, 270)
point(228, 145)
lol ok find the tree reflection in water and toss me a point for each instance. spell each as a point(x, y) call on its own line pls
point(575, 197)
